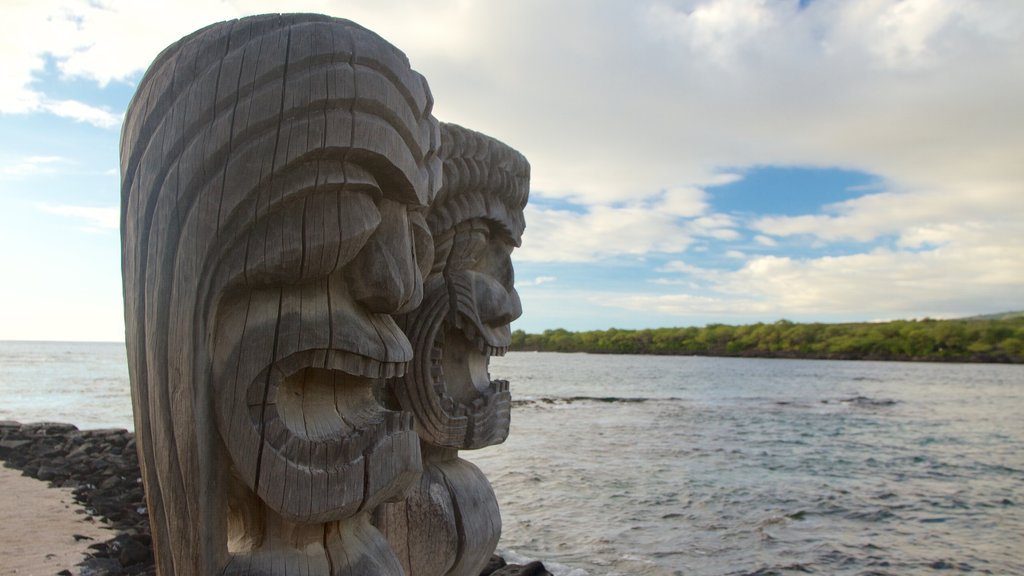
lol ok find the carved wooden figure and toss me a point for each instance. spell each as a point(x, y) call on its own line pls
point(274, 174)
point(450, 523)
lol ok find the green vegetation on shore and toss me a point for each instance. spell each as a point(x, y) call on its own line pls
point(966, 340)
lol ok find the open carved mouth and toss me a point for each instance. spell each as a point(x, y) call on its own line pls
point(321, 426)
point(459, 363)
point(464, 363)
point(322, 407)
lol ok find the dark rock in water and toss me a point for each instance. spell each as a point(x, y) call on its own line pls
point(493, 565)
point(534, 568)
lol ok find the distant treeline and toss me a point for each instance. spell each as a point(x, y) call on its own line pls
point(967, 340)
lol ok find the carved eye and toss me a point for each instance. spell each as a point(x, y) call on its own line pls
point(497, 262)
point(309, 236)
point(470, 243)
point(477, 244)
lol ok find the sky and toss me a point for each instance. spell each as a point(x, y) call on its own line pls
point(693, 161)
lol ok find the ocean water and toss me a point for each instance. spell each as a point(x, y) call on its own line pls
point(636, 465)
point(84, 383)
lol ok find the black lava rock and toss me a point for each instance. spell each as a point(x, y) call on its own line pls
point(103, 468)
point(534, 568)
point(493, 565)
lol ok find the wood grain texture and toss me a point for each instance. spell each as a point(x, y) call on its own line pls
point(272, 171)
point(469, 296)
point(449, 524)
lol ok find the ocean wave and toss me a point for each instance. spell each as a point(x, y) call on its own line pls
point(550, 400)
point(862, 401)
point(513, 557)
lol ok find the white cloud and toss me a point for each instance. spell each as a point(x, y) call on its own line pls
point(31, 166)
point(716, 226)
point(22, 47)
point(899, 34)
point(686, 202)
point(633, 109)
point(536, 281)
point(718, 29)
point(618, 101)
point(930, 235)
point(93, 219)
point(81, 112)
point(973, 268)
point(103, 40)
point(901, 214)
point(602, 232)
point(111, 40)
point(676, 282)
point(681, 267)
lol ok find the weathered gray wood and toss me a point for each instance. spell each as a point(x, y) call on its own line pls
point(449, 524)
point(271, 169)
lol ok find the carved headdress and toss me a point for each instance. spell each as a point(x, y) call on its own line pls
point(483, 178)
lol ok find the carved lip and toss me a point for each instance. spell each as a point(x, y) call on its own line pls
point(321, 407)
point(460, 359)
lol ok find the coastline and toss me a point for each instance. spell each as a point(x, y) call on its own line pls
point(91, 519)
point(791, 355)
point(996, 340)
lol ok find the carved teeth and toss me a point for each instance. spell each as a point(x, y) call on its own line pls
point(359, 365)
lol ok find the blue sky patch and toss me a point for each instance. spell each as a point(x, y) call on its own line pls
point(538, 200)
point(789, 191)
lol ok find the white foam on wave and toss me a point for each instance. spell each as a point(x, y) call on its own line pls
point(513, 557)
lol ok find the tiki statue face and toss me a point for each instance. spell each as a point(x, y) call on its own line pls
point(469, 297)
point(298, 364)
point(275, 176)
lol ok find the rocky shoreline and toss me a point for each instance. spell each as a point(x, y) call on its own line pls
point(102, 468)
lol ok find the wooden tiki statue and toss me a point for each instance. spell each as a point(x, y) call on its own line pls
point(450, 523)
point(275, 171)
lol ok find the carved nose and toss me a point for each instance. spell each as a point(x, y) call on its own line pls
point(497, 305)
point(384, 276)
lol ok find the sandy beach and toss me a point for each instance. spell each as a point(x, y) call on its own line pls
point(37, 536)
point(98, 498)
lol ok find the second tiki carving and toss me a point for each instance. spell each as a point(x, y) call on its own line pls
point(450, 523)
